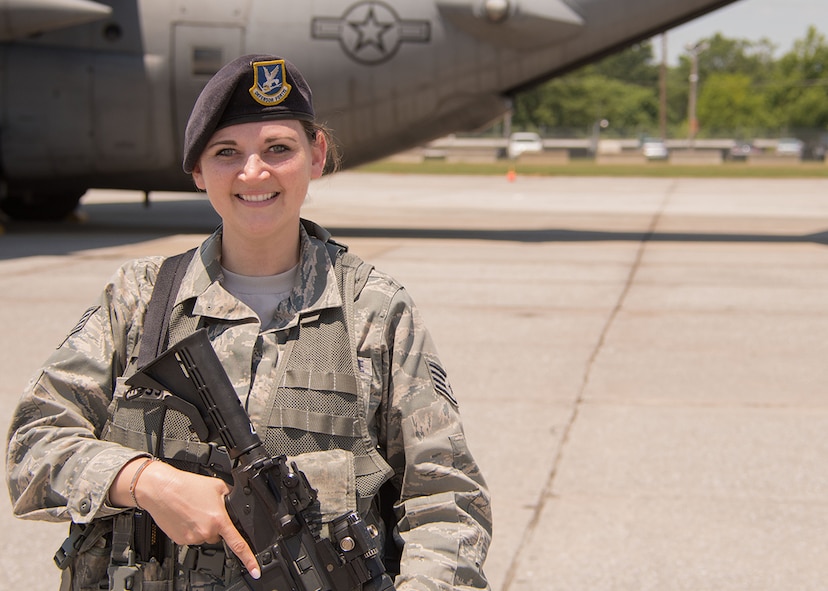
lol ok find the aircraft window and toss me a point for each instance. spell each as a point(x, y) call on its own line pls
point(207, 60)
point(113, 32)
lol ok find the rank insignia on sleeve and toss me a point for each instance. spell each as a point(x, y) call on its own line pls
point(270, 87)
point(441, 383)
point(81, 323)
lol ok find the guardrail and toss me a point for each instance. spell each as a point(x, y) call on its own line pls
point(561, 150)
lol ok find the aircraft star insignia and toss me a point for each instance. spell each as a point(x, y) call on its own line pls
point(371, 32)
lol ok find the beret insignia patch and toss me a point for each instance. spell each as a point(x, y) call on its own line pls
point(269, 87)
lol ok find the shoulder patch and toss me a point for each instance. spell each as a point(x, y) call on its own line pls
point(439, 378)
point(81, 323)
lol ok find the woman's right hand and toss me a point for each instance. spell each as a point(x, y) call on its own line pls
point(188, 507)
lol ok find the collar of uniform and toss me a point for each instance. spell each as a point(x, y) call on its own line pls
point(316, 287)
point(204, 269)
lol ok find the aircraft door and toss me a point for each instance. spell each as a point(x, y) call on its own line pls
point(199, 52)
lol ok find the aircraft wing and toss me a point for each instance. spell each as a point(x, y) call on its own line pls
point(531, 24)
point(20, 19)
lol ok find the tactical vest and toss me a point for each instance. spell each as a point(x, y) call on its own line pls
point(319, 406)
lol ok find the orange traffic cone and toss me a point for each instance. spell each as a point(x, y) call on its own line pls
point(511, 175)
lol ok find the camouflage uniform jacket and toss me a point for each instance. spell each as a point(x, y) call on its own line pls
point(59, 468)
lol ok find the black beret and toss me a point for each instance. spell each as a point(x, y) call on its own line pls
point(250, 88)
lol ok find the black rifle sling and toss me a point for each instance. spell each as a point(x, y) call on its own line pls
point(159, 308)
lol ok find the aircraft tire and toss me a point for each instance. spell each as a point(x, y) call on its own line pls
point(41, 206)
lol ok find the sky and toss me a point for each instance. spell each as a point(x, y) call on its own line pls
point(781, 21)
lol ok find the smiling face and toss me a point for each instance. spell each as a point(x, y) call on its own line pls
point(256, 176)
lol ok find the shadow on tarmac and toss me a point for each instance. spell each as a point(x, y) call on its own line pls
point(105, 225)
point(102, 225)
point(563, 235)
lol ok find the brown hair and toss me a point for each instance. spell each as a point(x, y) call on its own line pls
point(334, 156)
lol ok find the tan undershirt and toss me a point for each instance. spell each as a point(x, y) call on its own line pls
point(262, 294)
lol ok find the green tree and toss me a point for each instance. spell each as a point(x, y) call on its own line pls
point(799, 90)
point(576, 102)
point(634, 65)
point(743, 91)
point(730, 56)
point(732, 99)
point(730, 103)
point(622, 88)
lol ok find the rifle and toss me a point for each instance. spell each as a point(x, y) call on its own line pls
point(269, 497)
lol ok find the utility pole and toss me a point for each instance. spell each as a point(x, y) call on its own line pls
point(692, 121)
point(662, 106)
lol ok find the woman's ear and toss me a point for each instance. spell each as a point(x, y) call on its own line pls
point(198, 178)
point(319, 155)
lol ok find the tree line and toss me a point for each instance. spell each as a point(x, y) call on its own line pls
point(743, 92)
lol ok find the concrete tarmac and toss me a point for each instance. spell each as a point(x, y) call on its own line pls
point(641, 363)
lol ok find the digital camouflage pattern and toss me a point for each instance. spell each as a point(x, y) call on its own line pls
point(58, 468)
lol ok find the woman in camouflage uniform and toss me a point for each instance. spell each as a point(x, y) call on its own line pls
point(269, 288)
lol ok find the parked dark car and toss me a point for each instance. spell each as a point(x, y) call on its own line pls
point(739, 151)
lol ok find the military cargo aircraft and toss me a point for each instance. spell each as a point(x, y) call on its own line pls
point(96, 93)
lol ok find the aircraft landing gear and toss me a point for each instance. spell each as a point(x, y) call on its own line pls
point(40, 205)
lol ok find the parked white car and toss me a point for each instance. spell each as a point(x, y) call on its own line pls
point(524, 141)
point(790, 147)
point(654, 150)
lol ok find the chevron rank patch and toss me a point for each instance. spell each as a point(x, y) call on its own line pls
point(441, 383)
point(81, 323)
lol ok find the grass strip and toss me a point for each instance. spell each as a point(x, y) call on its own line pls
point(591, 168)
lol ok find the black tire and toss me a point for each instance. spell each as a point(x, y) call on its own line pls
point(49, 206)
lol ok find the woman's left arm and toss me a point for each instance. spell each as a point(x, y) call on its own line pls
point(444, 508)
